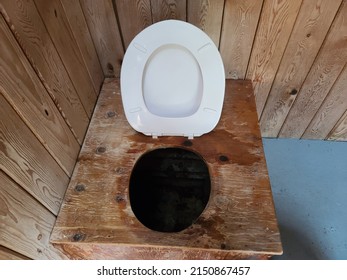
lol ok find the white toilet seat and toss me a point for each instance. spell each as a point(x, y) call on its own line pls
point(172, 81)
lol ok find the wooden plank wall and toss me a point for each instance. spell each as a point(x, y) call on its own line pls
point(50, 77)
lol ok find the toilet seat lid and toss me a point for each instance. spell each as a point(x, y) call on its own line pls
point(172, 81)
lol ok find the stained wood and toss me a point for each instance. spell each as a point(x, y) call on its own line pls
point(325, 70)
point(79, 28)
point(96, 219)
point(331, 110)
point(26, 224)
point(103, 27)
point(22, 88)
point(339, 132)
point(134, 16)
point(168, 9)
point(30, 32)
point(7, 254)
point(275, 25)
point(207, 15)
point(58, 27)
point(313, 22)
point(239, 27)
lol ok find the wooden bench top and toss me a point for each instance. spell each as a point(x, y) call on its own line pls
point(96, 220)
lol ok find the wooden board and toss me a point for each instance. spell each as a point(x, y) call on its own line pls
point(275, 26)
point(239, 218)
point(324, 72)
point(168, 9)
point(7, 254)
point(58, 27)
point(139, 11)
point(79, 28)
point(311, 27)
point(207, 15)
point(239, 27)
point(103, 27)
point(23, 90)
point(26, 224)
point(339, 132)
point(34, 40)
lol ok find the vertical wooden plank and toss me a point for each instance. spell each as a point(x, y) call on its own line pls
point(22, 88)
point(134, 16)
point(313, 22)
point(331, 110)
point(58, 27)
point(238, 31)
point(7, 254)
point(339, 132)
point(24, 158)
point(103, 26)
point(26, 224)
point(79, 28)
point(207, 15)
point(275, 25)
point(34, 40)
point(168, 9)
point(324, 72)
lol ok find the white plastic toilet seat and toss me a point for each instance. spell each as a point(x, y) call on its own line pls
point(172, 81)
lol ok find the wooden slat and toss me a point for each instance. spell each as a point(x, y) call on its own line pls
point(275, 25)
point(339, 132)
point(313, 22)
point(134, 16)
point(324, 72)
point(25, 224)
point(207, 15)
point(34, 39)
point(23, 89)
point(104, 30)
point(7, 254)
point(24, 158)
point(331, 110)
point(80, 30)
point(238, 31)
point(58, 27)
point(168, 9)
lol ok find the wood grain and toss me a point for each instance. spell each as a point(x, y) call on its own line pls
point(238, 31)
point(79, 28)
point(103, 27)
point(311, 27)
point(34, 40)
point(58, 27)
point(7, 254)
point(275, 25)
point(134, 16)
point(24, 158)
point(339, 132)
point(324, 72)
point(23, 90)
point(239, 217)
point(331, 110)
point(207, 15)
point(168, 9)
point(26, 224)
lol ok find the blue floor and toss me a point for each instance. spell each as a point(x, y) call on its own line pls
point(309, 184)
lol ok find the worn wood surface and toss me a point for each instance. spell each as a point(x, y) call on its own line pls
point(7, 254)
point(339, 132)
point(239, 217)
point(239, 27)
point(25, 224)
point(168, 9)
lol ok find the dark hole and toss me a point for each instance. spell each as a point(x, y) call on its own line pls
point(46, 113)
point(294, 92)
point(55, 13)
point(169, 189)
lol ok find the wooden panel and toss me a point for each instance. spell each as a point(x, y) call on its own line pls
point(63, 39)
point(207, 15)
point(80, 30)
point(26, 224)
point(22, 88)
point(339, 132)
point(34, 39)
point(134, 16)
point(24, 158)
point(7, 254)
point(239, 26)
point(325, 70)
point(168, 9)
point(331, 110)
point(311, 27)
point(276, 23)
point(104, 30)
